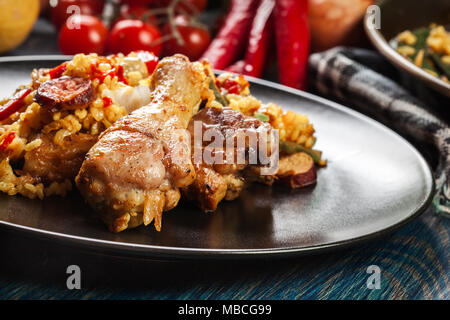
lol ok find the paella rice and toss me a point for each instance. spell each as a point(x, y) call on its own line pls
point(120, 85)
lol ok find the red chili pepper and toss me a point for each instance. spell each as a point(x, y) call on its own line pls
point(7, 141)
point(107, 101)
point(149, 59)
point(292, 34)
point(237, 67)
point(14, 104)
point(260, 35)
point(232, 37)
point(58, 71)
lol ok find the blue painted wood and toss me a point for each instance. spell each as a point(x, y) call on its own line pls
point(414, 264)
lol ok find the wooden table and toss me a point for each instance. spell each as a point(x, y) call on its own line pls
point(413, 263)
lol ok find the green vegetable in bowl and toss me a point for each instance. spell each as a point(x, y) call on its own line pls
point(427, 48)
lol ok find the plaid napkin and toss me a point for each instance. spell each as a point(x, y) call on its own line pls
point(364, 80)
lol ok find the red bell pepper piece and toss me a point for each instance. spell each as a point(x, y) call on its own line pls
point(58, 71)
point(260, 35)
point(232, 86)
point(111, 73)
point(117, 71)
point(14, 104)
point(107, 101)
point(120, 74)
point(232, 37)
point(7, 141)
point(292, 35)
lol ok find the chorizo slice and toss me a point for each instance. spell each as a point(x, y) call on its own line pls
point(65, 93)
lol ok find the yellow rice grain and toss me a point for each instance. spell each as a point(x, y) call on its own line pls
point(58, 188)
point(60, 135)
point(32, 145)
point(81, 113)
point(407, 37)
point(134, 77)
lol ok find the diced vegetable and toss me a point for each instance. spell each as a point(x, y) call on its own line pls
point(149, 59)
point(58, 71)
point(7, 141)
point(261, 116)
point(14, 104)
point(135, 64)
point(421, 35)
point(231, 86)
point(117, 71)
point(289, 147)
point(219, 97)
point(445, 68)
point(107, 101)
point(296, 170)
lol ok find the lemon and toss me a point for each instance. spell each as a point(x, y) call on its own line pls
point(17, 17)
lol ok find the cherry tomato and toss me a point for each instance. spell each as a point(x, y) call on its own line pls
point(195, 39)
point(132, 35)
point(90, 37)
point(136, 12)
point(59, 13)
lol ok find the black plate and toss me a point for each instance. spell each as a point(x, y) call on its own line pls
point(375, 181)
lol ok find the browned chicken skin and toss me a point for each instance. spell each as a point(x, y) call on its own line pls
point(51, 162)
point(224, 180)
point(134, 172)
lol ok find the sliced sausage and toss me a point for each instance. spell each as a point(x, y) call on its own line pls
point(65, 93)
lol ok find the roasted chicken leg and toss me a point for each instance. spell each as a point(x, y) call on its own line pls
point(134, 172)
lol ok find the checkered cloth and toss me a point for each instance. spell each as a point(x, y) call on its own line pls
point(363, 80)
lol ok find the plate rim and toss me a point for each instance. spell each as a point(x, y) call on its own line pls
point(176, 253)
